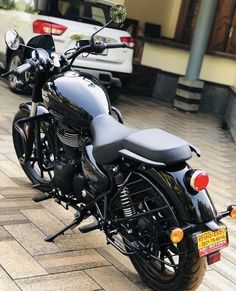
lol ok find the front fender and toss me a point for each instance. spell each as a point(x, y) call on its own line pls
point(194, 209)
point(41, 109)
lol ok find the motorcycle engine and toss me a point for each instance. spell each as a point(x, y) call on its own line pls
point(68, 176)
point(70, 138)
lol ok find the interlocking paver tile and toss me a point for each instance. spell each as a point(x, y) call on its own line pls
point(71, 261)
point(17, 262)
point(21, 192)
point(57, 210)
point(11, 169)
point(215, 281)
point(110, 279)
point(44, 220)
point(3, 158)
point(78, 241)
point(4, 235)
point(17, 204)
point(122, 263)
point(229, 254)
point(5, 181)
point(32, 239)
point(59, 282)
point(12, 217)
point(227, 269)
point(6, 283)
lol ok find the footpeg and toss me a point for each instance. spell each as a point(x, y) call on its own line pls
point(41, 197)
point(89, 227)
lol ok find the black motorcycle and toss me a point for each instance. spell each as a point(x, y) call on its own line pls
point(151, 205)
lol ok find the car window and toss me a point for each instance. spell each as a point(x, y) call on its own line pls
point(28, 6)
point(98, 14)
point(86, 11)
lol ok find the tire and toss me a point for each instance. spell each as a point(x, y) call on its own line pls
point(114, 94)
point(189, 276)
point(15, 60)
point(185, 270)
point(42, 178)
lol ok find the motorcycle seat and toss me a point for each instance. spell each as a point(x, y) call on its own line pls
point(110, 136)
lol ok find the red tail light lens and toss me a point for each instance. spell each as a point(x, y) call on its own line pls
point(129, 40)
point(199, 180)
point(46, 27)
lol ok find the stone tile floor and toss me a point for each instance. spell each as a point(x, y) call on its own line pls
point(83, 261)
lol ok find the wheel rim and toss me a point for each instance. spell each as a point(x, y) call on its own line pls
point(15, 62)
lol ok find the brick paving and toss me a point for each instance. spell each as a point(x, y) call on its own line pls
point(84, 261)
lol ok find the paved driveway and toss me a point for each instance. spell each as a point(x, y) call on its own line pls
point(83, 261)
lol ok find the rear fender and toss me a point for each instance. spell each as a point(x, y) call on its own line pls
point(193, 209)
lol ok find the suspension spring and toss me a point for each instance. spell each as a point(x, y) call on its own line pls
point(126, 203)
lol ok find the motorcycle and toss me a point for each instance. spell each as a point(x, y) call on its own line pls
point(150, 204)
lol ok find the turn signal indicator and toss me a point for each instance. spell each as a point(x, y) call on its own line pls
point(233, 213)
point(176, 235)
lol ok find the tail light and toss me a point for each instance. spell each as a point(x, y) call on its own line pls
point(129, 40)
point(46, 27)
point(197, 179)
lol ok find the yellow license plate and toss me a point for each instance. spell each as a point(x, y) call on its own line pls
point(211, 241)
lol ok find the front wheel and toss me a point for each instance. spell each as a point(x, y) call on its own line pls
point(39, 168)
point(161, 264)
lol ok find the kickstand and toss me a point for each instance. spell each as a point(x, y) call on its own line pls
point(74, 223)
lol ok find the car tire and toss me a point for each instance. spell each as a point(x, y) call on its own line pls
point(114, 94)
point(15, 60)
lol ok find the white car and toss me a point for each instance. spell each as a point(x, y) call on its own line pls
point(68, 22)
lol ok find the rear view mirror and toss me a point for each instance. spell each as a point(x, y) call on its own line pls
point(12, 39)
point(118, 13)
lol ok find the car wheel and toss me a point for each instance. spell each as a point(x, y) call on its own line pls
point(14, 62)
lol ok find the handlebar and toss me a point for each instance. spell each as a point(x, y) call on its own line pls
point(116, 45)
point(97, 47)
point(25, 67)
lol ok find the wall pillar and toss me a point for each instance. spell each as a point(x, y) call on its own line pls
point(188, 94)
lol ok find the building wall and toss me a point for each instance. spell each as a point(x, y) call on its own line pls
point(119, 1)
point(214, 69)
point(160, 12)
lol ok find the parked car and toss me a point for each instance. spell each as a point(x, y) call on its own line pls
point(68, 22)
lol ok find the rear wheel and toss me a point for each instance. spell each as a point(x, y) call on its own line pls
point(161, 264)
point(39, 171)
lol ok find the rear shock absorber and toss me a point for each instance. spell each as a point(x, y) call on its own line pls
point(124, 193)
point(126, 203)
